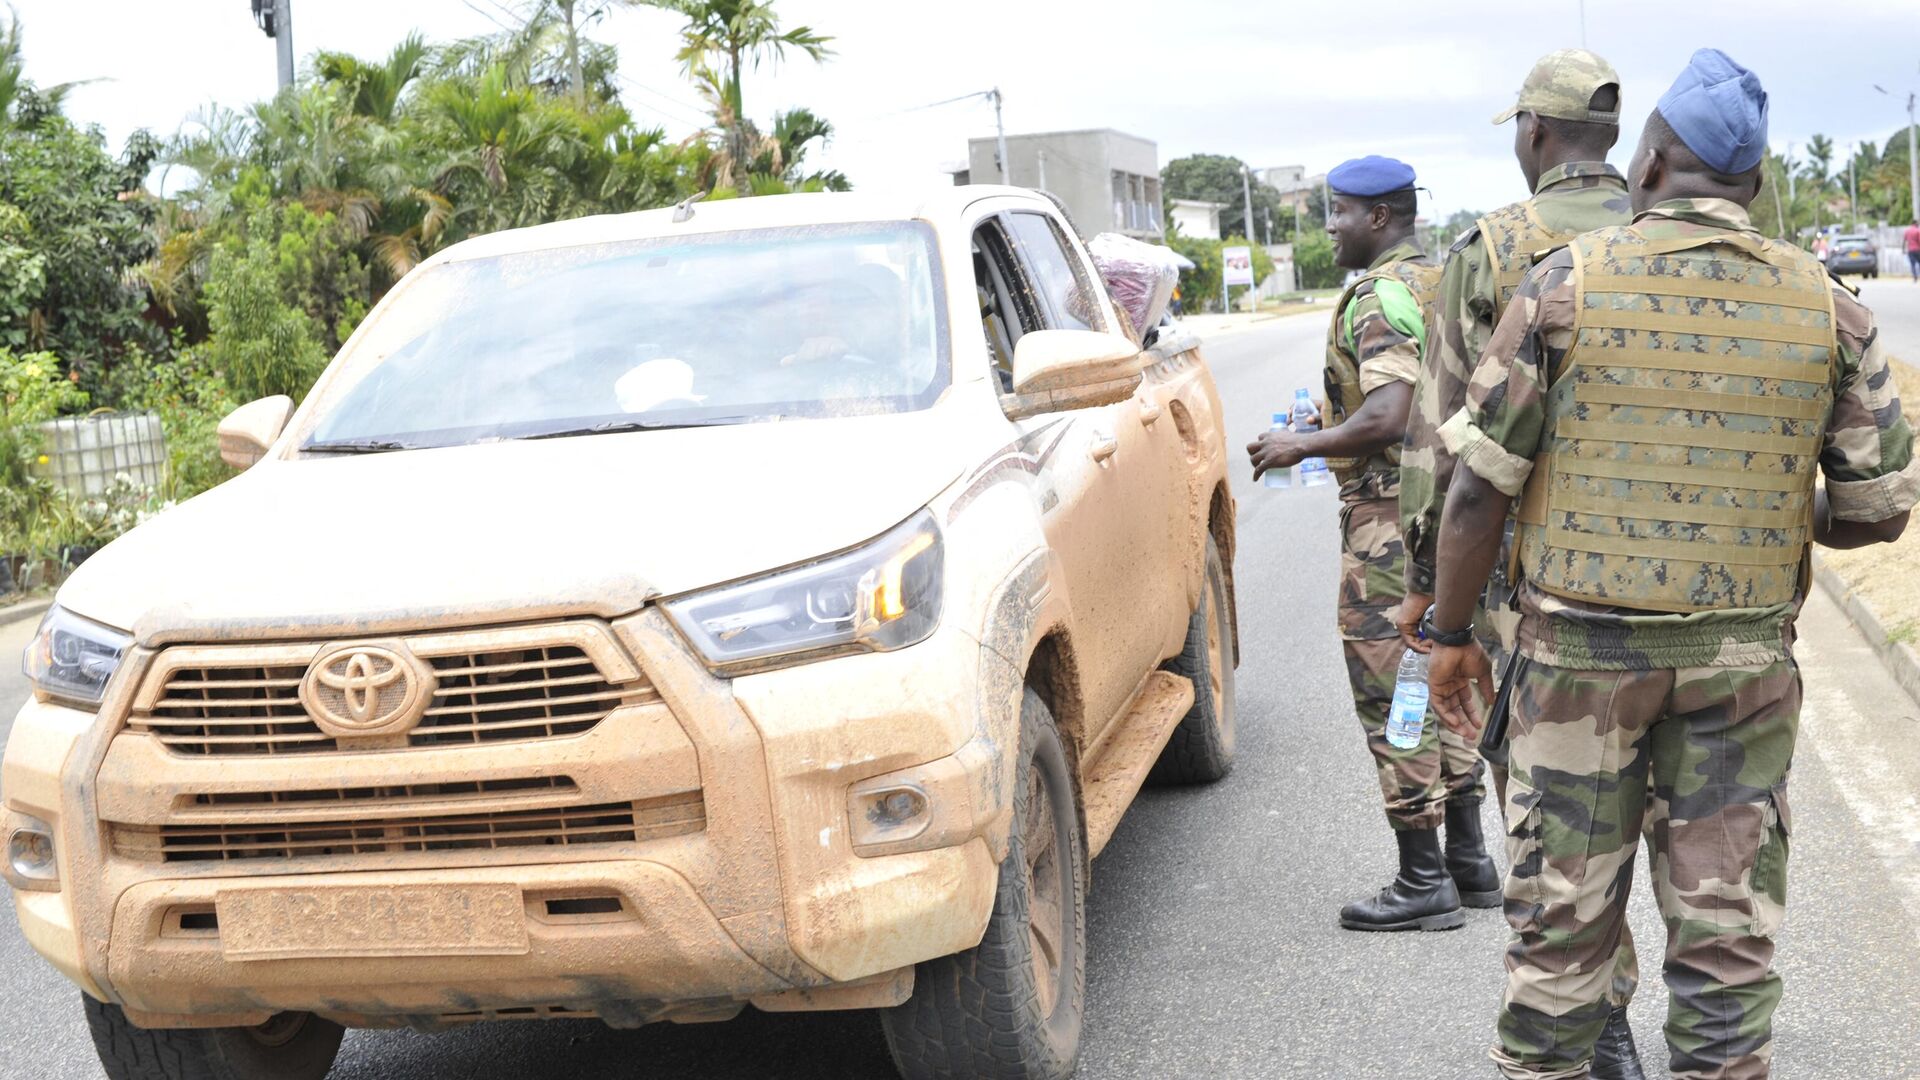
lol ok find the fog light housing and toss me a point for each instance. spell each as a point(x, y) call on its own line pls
point(31, 860)
point(889, 815)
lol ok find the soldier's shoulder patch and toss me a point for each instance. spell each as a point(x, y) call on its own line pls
point(1844, 283)
point(1466, 239)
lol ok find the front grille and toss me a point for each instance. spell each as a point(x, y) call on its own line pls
point(482, 696)
point(605, 823)
point(387, 794)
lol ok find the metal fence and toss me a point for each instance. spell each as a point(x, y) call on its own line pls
point(83, 454)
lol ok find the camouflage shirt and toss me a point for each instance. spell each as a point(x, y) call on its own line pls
point(1569, 199)
point(1866, 457)
point(1382, 328)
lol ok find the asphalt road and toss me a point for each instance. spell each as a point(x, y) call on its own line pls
point(1213, 950)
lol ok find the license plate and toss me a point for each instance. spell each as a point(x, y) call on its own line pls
point(372, 920)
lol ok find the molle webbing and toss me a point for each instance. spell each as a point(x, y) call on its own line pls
point(1684, 425)
point(1344, 396)
point(1513, 235)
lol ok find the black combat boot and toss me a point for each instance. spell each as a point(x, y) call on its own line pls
point(1422, 897)
point(1614, 1057)
point(1467, 860)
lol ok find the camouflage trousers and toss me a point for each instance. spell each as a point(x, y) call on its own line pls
point(1415, 783)
point(1698, 759)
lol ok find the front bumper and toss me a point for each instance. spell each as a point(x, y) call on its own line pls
point(766, 897)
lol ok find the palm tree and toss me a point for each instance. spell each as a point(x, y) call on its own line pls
point(722, 37)
point(376, 87)
point(1819, 172)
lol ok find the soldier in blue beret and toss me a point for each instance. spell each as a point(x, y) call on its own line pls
point(1373, 356)
point(1656, 404)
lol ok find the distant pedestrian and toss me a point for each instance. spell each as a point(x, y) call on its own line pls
point(1820, 246)
point(1665, 507)
point(1913, 249)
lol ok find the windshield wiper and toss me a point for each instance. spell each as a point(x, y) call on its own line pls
point(614, 427)
point(359, 446)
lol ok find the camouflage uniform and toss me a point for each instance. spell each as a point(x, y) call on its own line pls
point(1372, 343)
point(1483, 268)
point(1678, 722)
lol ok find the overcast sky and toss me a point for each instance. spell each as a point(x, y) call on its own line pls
point(1274, 82)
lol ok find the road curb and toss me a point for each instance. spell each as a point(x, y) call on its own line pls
point(26, 609)
point(1897, 656)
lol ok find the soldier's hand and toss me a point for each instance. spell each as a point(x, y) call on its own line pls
point(1275, 450)
point(1406, 619)
point(1454, 674)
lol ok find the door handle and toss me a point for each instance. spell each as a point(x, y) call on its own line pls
point(1150, 411)
point(1104, 447)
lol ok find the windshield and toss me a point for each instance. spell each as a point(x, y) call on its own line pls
point(724, 328)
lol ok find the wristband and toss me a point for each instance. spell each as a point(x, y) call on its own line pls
point(1449, 638)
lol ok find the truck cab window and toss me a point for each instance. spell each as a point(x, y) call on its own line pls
point(1070, 300)
point(1007, 307)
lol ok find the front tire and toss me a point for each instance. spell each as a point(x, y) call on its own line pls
point(1011, 1007)
point(1201, 749)
point(290, 1046)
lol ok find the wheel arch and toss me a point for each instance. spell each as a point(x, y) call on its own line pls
point(1220, 525)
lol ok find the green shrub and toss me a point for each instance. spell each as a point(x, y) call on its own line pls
point(191, 398)
point(263, 344)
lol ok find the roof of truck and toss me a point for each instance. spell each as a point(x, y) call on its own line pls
point(727, 215)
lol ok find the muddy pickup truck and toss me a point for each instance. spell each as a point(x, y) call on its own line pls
point(773, 602)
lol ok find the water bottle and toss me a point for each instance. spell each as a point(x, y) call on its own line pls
point(1278, 478)
point(1313, 470)
point(1407, 716)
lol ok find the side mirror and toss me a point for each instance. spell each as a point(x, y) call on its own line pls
point(1056, 370)
point(248, 431)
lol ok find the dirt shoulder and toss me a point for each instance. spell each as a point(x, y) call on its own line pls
point(1882, 574)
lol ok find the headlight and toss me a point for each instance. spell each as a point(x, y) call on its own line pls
point(883, 595)
point(72, 658)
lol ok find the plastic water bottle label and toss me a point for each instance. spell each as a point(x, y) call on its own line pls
point(1407, 717)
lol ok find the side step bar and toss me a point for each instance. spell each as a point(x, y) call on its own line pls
point(1129, 753)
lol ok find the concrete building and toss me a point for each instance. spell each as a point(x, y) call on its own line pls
point(1109, 180)
point(1196, 219)
point(1297, 189)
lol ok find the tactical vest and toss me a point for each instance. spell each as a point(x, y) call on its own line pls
point(1513, 235)
point(1684, 425)
point(1422, 279)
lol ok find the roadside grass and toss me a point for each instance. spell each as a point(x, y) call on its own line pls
point(1883, 574)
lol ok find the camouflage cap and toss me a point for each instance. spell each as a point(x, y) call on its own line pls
point(1562, 84)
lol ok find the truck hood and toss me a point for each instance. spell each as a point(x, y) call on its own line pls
point(511, 531)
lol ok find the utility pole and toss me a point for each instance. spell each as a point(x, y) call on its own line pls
point(1913, 162)
point(1246, 192)
point(1913, 153)
point(1043, 170)
point(275, 19)
point(1853, 187)
point(1000, 130)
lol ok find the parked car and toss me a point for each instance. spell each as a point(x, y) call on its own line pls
point(1854, 254)
point(644, 617)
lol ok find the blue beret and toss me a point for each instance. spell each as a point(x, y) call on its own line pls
point(1370, 175)
point(1719, 110)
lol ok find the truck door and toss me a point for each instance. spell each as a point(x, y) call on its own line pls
point(1109, 531)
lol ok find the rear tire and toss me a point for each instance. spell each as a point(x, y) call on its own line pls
point(1011, 1007)
point(290, 1046)
point(1201, 749)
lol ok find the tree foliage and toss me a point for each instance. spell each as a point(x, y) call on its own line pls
point(1217, 178)
point(286, 220)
